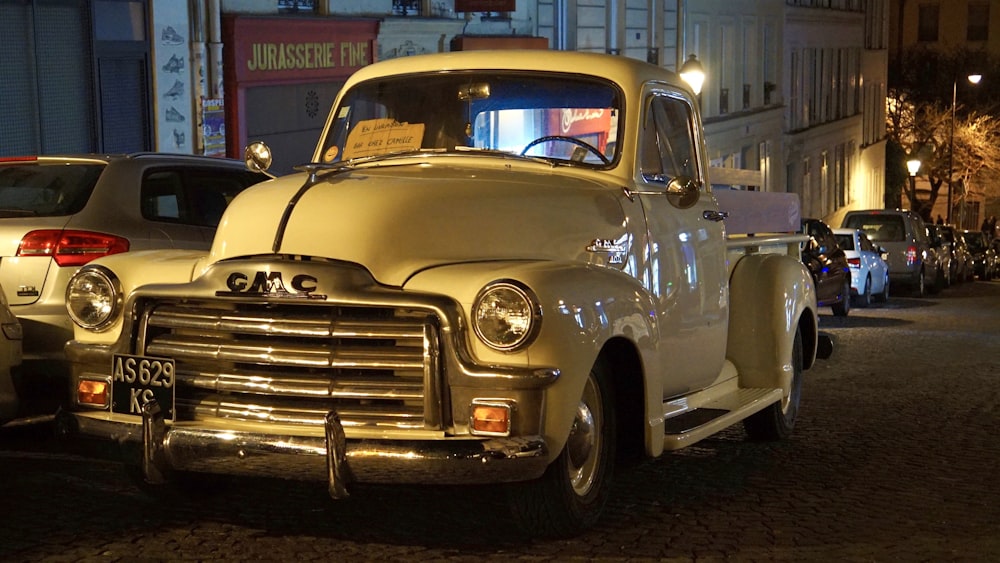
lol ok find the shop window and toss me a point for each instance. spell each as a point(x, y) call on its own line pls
point(296, 6)
point(407, 7)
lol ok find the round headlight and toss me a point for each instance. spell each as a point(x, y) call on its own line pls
point(93, 298)
point(505, 316)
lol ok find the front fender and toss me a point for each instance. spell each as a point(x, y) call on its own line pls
point(583, 307)
point(135, 269)
point(770, 294)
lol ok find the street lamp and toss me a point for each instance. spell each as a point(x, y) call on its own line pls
point(693, 73)
point(974, 79)
point(913, 166)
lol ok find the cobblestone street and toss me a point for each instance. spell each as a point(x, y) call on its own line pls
point(894, 458)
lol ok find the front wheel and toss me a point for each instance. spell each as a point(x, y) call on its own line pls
point(571, 494)
point(777, 421)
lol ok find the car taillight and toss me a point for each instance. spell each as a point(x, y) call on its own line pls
point(70, 248)
point(855, 262)
point(911, 256)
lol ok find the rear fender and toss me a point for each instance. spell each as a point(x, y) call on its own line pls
point(771, 295)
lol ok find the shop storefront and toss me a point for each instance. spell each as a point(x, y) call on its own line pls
point(281, 78)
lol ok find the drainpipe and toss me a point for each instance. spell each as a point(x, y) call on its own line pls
point(215, 48)
point(197, 15)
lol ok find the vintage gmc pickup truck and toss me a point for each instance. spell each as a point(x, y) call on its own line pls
point(497, 268)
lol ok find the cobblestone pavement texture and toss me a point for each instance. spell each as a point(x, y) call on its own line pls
point(894, 458)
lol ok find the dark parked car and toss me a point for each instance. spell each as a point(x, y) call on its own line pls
point(59, 212)
point(984, 258)
point(828, 266)
point(961, 260)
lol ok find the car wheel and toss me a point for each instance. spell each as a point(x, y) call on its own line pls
point(920, 288)
point(777, 421)
point(938, 284)
point(884, 296)
point(865, 297)
point(571, 494)
point(843, 307)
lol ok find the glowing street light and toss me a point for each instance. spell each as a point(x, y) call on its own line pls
point(693, 73)
point(974, 79)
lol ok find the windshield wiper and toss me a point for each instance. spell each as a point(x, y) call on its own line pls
point(17, 212)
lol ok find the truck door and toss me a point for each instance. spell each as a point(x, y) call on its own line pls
point(685, 267)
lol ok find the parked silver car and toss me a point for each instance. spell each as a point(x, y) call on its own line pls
point(59, 212)
point(10, 359)
point(912, 261)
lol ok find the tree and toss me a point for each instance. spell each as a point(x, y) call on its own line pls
point(919, 124)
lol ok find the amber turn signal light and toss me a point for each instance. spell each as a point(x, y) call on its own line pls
point(492, 419)
point(89, 392)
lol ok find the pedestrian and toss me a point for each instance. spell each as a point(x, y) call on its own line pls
point(940, 220)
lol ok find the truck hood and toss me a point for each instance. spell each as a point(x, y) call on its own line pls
point(399, 219)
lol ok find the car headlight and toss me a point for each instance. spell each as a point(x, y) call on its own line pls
point(506, 315)
point(94, 298)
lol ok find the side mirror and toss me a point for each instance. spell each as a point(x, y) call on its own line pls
point(683, 192)
point(257, 157)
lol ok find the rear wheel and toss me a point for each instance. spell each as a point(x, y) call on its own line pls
point(884, 296)
point(843, 307)
point(920, 287)
point(865, 297)
point(777, 421)
point(938, 282)
point(571, 494)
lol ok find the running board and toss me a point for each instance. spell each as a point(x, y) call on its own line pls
point(686, 428)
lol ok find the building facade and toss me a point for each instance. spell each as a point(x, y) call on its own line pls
point(795, 89)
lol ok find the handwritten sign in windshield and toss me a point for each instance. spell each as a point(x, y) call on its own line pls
point(382, 136)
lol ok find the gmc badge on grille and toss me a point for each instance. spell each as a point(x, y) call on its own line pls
point(270, 284)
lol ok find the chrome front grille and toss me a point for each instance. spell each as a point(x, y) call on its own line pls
point(293, 362)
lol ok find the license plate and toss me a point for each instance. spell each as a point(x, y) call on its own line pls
point(136, 380)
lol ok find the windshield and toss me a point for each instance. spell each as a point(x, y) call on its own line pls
point(554, 116)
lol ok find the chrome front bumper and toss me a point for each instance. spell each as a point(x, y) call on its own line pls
point(331, 458)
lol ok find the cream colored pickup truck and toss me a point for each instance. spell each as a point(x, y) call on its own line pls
point(497, 268)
